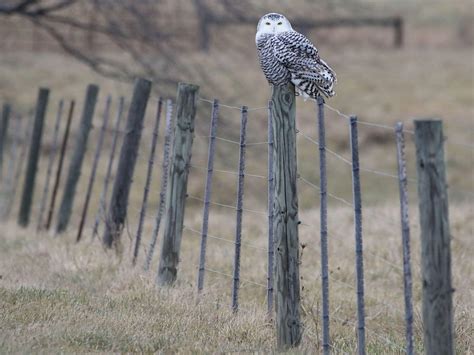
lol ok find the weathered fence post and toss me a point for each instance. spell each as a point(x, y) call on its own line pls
point(398, 32)
point(405, 222)
point(74, 173)
point(128, 156)
point(285, 224)
point(34, 154)
point(4, 133)
point(25, 138)
point(178, 182)
point(207, 193)
point(151, 162)
point(9, 185)
point(95, 163)
point(52, 155)
point(101, 211)
point(163, 183)
point(358, 236)
point(60, 166)
point(240, 206)
point(323, 225)
point(435, 238)
point(271, 197)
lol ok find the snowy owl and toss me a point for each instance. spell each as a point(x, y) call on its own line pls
point(286, 55)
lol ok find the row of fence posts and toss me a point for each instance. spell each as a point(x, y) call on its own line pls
point(283, 254)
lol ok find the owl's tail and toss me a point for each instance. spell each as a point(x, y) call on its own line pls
point(319, 79)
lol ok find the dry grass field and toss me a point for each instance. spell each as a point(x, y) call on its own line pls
point(57, 296)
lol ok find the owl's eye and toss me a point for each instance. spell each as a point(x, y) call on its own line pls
point(280, 23)
point(267, 23)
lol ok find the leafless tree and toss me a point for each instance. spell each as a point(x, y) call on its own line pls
point(135, 28)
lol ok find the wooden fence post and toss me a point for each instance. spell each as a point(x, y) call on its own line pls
point(117, 213)
point(178, 182)
point(271, 198)
point(8, 186)
point(95, 163)
point(405, 222)
point(357, 198)
point(285, 224)
point(60, 166)
point(240, 206)
point(23, 141)
point(435, 238)
point(101, 211)
point(34, 154)
point(52, 155)
point(163, 183)
point(4, 133)
point(74, 173)
point(323, 225)
point(398, 28)
point(207, 193)
point(149, 172)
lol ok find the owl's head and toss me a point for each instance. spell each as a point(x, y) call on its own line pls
point(272, 24)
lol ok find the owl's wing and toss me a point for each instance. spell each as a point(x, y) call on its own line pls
point(308, 71)
point(292, 45)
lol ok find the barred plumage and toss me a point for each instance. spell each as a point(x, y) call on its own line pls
point(286, 55)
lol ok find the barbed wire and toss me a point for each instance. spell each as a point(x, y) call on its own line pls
point(340, 238)
point(316, 187)
point(230, 140)
point(197, 232)
point(226, 206)
point(348, 162)
point(460, 191)
point(460, 144)
point(233, 107)
point(232, 276)
point(204, 168)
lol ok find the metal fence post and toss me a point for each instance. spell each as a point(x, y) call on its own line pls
point(207, 193)
point(240, 206)
point(163, 183)
point(52, 155)
point(285, 224)
point(33, 158)
point(178, 182)
point(60, 166)
point(358, 236)
point(117, 214)
point(4, 133)
point(74, 173)
point(95, 163)
point(10, 183)
point(435, 238)
point(405, 223)
point(151, 161)
point(324, 225)
point(101, 211)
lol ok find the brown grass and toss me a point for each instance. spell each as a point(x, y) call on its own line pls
point(57, 296)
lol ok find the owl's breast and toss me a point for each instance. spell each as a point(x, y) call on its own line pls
point(275, 72)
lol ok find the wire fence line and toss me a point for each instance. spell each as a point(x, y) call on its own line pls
point(348, 162)
point(232, 276)
point(238, 207)
point(233, 107)
point(227, 206)
point(231, 141)
point(203, 168)
point(227, 240)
